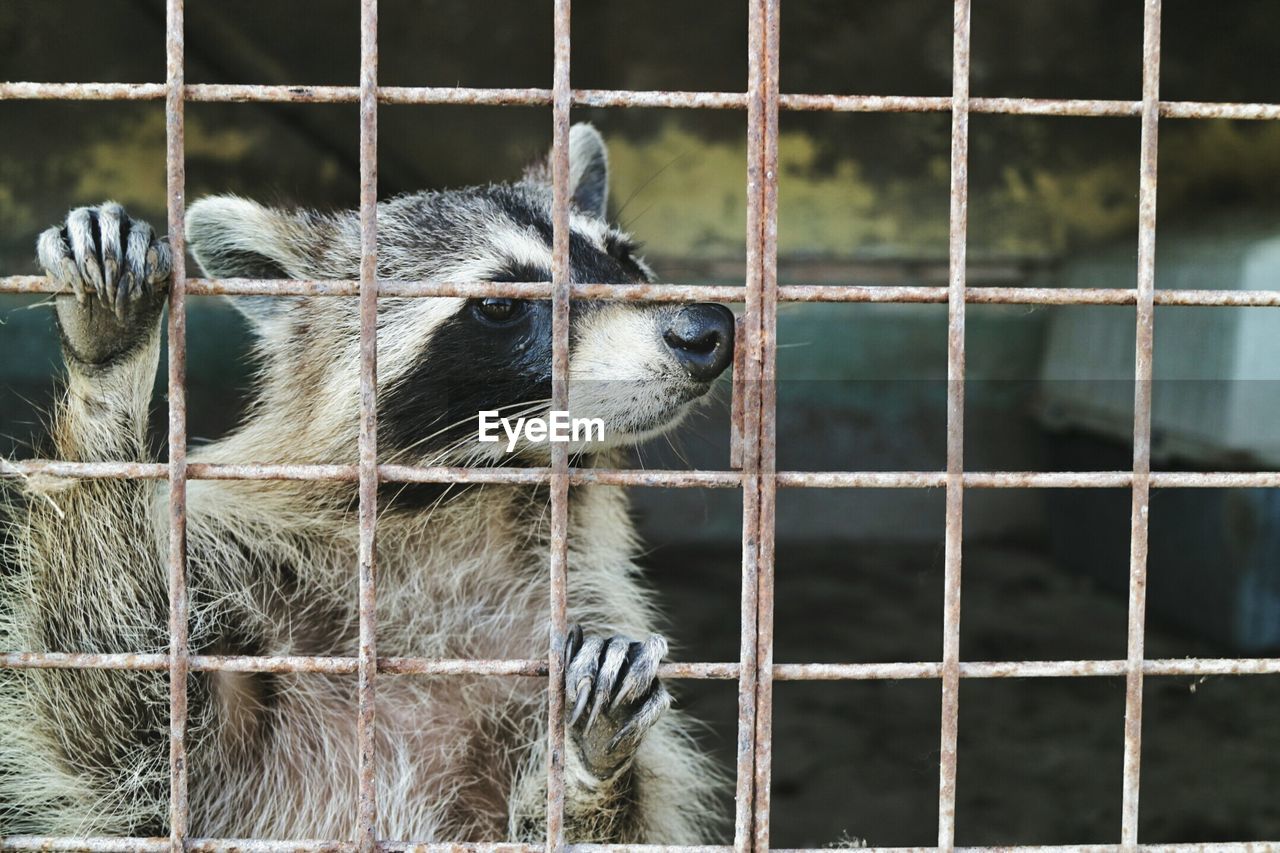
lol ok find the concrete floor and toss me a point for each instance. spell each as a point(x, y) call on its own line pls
point(1039, 759)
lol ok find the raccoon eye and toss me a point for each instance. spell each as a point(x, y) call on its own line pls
point(498, 310)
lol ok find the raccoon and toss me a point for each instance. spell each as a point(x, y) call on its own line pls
point(271, 565)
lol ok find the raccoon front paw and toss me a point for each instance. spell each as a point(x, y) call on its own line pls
point(116, 268)
point(612, 696)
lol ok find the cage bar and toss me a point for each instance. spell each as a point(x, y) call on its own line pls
point(953, 543)
point(749, 355)
point(1141, 503)
point(656, 478)
point(766, 256)
point(903, 294)
point(179, 604)
point(559, 546)
point(366, 719)
point(252, 845)
point(755, 432)
point(535, 97)
point(724, 671)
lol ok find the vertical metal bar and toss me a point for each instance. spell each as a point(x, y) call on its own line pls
point(175, 179)
point(767, 257)
point(1140, 512)
point(955, 426)
point(561, 100)
point(751, 362)
point(367, 808)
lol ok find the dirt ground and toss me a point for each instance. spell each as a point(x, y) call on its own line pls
point(1039, 759)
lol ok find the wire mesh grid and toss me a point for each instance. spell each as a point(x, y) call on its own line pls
point(754, 427)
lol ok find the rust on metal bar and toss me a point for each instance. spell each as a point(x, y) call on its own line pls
point(1234, 112)
point(1047, 479)
point(862, 479)
point(20, 91)
point(234, 93)
point(1141, 502)
point(366, 720)
point(697, 293)
point(751, 358)
point(328, 665)
point(33, 844)
point(1230, 847)
point(953, 546)
point(766, 519)
point(367, 807)
point(537, 668)
point(654, 478)
point(558, 563)
point(660, 99)
point(1052, 107)
point(66, 660)
point(1215, 479)
point(36, 844)
point(179, 605)
point(462, 95)
point(1219, 298)
point(535, 97)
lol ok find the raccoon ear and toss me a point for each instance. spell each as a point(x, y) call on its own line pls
point(588, 169)
point(232, 237)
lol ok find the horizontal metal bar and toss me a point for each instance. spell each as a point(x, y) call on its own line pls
point(258, 845)
point(1002, 295)
point(333, 665)
point(1027, 295)
point(83, 91)
point(1028, 479)
point(663, 479)
point(203, 845)
point(1228, 847)
point(1022, 669)
point(537, 97)
point(1030, 106)
point(386, 474)
point(896, 671)
point(386, 288)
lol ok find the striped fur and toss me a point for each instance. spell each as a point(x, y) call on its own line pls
point(462, 571)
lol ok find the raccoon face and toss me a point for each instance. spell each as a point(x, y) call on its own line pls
point(638, 368)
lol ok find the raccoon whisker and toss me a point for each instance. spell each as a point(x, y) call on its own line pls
point(468, 442)
point(633, 220)
point(465, 420)
point(436, 504)
point(529, 408)
point(645, 185)
point(676, 450)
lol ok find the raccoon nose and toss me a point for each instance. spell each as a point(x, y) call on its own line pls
point(701, 338)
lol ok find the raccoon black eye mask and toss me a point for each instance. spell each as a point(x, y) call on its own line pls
point(472, 363)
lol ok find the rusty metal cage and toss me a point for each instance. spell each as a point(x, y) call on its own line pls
point(753, 467)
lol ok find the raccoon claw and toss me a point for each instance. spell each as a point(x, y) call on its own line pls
point(101, 252)
point(617, 679)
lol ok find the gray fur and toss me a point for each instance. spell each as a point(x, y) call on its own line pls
point(272, 564)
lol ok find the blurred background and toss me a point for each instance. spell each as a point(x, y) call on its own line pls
point(863, 200)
